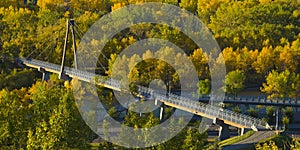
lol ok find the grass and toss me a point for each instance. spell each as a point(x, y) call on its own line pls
point(235, 139)
point(282, 141)
point(270, 138)
point(95, 145)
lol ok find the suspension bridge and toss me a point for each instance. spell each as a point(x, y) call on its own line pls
point(222, 117)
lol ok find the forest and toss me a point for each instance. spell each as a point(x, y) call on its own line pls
point(259, 42)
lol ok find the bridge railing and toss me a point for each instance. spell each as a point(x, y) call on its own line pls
point(255, 100)
point(40, 63)
point(218, 112)
point(207, 109)
point(94, 78)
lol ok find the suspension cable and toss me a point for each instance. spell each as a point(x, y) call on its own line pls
point(35, 49)
point(44, 50)
point(83, 40)
point(44, 42)
point(93, 56)
point(82, 33)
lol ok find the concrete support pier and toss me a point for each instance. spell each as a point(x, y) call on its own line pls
point(161, 114)
point(242, 131)
point(224, 132)
point(45, 74)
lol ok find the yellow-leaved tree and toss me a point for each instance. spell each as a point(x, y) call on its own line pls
point(281, 84)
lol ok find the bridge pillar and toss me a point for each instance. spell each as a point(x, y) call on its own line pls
point(242, 131)
point(224, 132)
point(161, 114)
point(64, 77)
point(45, 74)
point(156, 102)
point(277, 113)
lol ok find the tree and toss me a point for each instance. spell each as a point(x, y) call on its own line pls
point(18, 79)
point(53, 5)
point(270, 113)
point(14, 120)
point(118, 5)
point(208, 8)
point(286, 122)
point(281, 85)
point(288, 112)
point(204, 87)
point(248, 23)
point(164, 69)
point(47, 17)
point(237, 109)
point(230, 56)
point(177, 141)
point(97, 6)
point(253, 112)
point(296, 144)
point(58, 122)
point(265, 60)
point(42, 117)
point(174, 2)
point(234, 81)
point(267, 146)
point(289, 57)
point(194, 139)
point(16, 35)
point(200, 61)
point(190, 5)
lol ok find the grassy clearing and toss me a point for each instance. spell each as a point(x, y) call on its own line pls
point(235, 139)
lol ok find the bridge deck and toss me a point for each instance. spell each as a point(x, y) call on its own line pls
point(199, 108)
